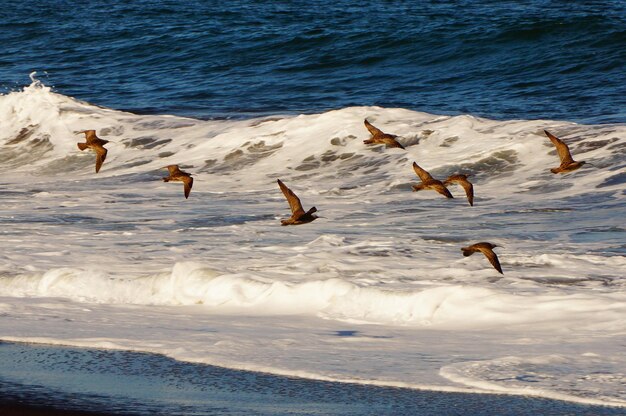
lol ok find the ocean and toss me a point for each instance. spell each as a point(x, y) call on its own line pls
point(376, 291)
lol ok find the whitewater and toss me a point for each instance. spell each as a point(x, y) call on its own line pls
point(376, 291)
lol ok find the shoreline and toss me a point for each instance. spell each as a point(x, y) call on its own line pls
point(71, 381)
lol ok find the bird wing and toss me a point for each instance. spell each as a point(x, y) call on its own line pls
point(173, 169)
point(101, 154)
point(373, 130)
point(423, 175)
point(469, 190)
point(561, 148)
point(294, 201)
point(439, 187)
point(188, 182)
point(90, 136)
point(391, 142)
point(467, 186)
point(491, 256)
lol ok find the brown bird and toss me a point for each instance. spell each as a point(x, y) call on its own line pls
point(298, 216)
point(378, 137)
point(487, 250)
point(177, 175)
point(96, 144)
point(567, 163)
point(428, 182)
point(467, 185)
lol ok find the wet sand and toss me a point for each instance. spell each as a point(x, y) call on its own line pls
point(50, 380)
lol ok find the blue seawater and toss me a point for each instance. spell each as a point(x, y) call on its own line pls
point(212, 59)
point(535, 59)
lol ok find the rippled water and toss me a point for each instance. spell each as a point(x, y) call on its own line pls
point(535, 59)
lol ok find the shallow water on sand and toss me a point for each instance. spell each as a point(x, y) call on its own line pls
point(117, 382)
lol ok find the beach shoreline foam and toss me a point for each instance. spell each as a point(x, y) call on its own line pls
point(76, 381)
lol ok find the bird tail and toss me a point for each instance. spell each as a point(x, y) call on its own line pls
point(82, 146)
point(467, 252)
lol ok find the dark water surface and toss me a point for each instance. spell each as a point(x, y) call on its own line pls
point(118, 382)
point(535, 59)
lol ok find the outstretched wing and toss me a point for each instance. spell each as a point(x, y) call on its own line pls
point(188, 182)
point(173, 169)
point(90, 136)
point(467, 186)
point(294, 201)
point(423, 175)
point(561, 148)
point(439, 187)
point(491, 256)
point(469, 191)
point(373, 130)
point(391, 142)
point(101, 154)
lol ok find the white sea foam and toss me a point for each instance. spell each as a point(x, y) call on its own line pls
point(375, 291)
point(444, 306)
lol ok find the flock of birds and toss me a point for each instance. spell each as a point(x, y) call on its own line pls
point(300, 216)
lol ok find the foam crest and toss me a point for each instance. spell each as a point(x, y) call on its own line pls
point(444, 306)
point(327, 146)
point(592, 377)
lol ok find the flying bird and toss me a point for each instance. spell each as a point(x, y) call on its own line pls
point(487, 250)
point(96, 144)
point(298, 216)
point(177, 175)
point(428, 182)
point(461, 179)
point(567, 163)
point(378, 137)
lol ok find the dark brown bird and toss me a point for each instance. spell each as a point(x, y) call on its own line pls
point(298, 216)
point(567, 163)
point(378, 137)
point(428, 182)
point(177, 175)
point(487, 250)
point(467, 185)
point(96, 144)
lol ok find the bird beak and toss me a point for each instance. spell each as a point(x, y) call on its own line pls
point(80, 132)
